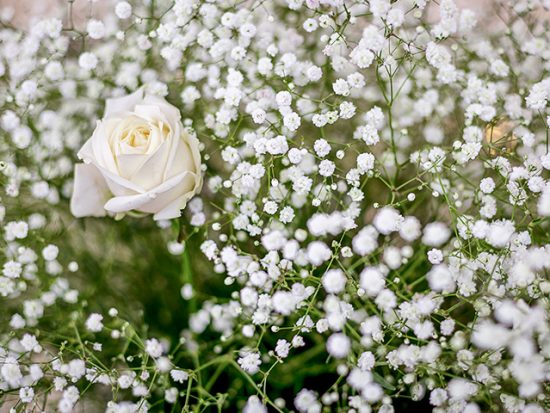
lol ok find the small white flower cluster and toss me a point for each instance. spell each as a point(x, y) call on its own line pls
point(375, 210)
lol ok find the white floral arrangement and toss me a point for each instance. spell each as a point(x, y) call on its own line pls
point(275, 206)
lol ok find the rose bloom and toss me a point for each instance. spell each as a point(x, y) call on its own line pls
point(140, 159)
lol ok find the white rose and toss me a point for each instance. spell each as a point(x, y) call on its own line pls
point(139, 158)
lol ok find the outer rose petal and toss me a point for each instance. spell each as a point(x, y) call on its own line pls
point(90, 192)
point(173, 210)
point(127, 203)
point(193, 143)
point(156, 195)
point(124, 103)
point(118, 185)
point(167, 109)
point(185, 187)
point(180, 158)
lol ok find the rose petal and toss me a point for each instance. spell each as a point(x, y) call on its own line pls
point(86, 153)
point(151, 113)
point(129, 164)
point(119, 185)
point(193, 143)
point(165, 198)
point(151, 172)
point(172, 210)
point(96, 150)
point(172, 112)
point(130, 202)
point(126, 203)
point(180, 158)
point(123, 103)
point(90, 192)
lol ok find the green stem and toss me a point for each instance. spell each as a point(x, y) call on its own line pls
point(253, 383)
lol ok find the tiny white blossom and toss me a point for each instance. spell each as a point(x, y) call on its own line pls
point(94, 323)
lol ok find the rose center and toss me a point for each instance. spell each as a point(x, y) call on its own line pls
point(137, 137)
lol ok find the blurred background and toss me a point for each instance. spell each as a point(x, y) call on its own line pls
point(25, 12)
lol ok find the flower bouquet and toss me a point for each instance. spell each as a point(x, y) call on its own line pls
point(275, 206)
